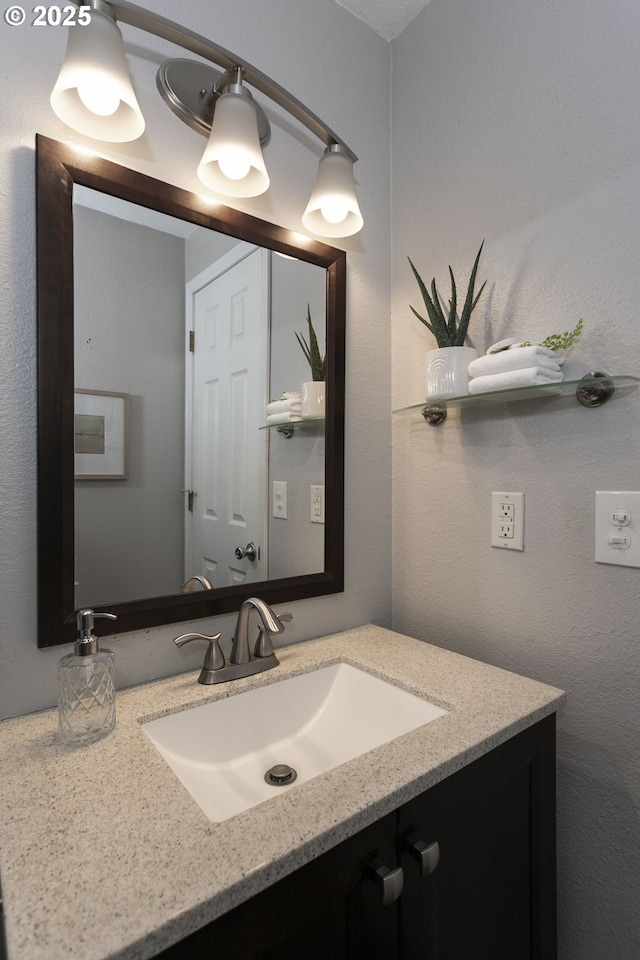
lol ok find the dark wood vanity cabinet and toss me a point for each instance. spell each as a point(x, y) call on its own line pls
point(492, 894)
point(474, 857)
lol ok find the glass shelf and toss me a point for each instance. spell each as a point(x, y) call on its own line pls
point(591, 391)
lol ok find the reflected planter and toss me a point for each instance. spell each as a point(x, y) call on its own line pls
point(312, 400)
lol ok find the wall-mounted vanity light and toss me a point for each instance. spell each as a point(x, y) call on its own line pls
point(233, 164)
point(333, 209)
point(94, 95)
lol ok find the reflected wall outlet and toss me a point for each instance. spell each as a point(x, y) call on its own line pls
point(507, 521)
point(317, 504)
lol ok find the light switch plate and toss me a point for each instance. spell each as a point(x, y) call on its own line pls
point(280, 499)
point(617, 527)
point(507, 520)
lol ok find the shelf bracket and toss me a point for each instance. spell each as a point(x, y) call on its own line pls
point(435, 414)
point(286, 431)
point(596, 390)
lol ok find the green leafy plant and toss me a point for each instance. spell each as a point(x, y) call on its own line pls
point(449, 330)
point(559, 341)
point(311, 350)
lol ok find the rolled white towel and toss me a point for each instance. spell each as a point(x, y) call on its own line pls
point(284, 406)
point(283, 418)
point(516, 359)
point(291, 395)
point(526, 377)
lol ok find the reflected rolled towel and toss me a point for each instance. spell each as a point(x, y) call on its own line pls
point(516, 359)
point(286, 417)
point(290, 405)
point(526, 377)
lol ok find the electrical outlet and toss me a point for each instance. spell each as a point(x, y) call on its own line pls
point(507, 521)
point(317, 504)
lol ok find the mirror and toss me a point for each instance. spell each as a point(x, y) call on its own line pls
point(125, 541)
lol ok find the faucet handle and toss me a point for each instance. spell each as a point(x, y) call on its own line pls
point(214, 658)
point(264, 647)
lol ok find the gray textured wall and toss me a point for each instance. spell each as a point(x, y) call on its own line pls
point(129, 325)
point(516, 121)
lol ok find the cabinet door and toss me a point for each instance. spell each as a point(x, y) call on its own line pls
point(491, 895)
point(329, 909)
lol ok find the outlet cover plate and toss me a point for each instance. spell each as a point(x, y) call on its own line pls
point(507, 520)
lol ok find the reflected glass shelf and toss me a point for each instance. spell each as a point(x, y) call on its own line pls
point(589, 390)
point(289, 428)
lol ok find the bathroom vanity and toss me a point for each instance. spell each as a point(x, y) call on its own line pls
point(104, 854)
point(465, 870)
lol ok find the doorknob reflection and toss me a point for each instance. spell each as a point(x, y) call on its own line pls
point(250, 552)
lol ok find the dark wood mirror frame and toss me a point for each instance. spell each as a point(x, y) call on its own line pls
point(59, 167)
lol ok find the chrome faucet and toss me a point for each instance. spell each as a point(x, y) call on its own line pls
point(243, 662)
point(193, 583)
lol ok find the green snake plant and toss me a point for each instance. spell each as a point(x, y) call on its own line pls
point(311, 350)
point(449, 330)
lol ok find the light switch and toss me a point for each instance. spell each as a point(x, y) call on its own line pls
point(620, 517)
point(618, 527)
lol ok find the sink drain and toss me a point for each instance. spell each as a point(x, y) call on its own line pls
point(280, 775)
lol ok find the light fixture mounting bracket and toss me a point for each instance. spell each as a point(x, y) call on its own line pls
point(191, 88)
point(153, 23)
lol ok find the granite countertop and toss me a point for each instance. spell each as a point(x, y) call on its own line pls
point(104, 854)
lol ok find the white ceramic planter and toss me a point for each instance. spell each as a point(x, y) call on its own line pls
point(312, 400)
point(447, 371)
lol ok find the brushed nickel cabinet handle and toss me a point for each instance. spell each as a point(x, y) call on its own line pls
point(389, 880)
point(426, 854)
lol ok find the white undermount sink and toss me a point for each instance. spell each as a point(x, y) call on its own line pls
point(221, 751)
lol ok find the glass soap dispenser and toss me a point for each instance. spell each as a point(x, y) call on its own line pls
point(86, 688)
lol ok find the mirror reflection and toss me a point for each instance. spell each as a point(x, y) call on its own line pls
point(182, 337)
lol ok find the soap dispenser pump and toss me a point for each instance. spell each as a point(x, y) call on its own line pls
point(86, 688)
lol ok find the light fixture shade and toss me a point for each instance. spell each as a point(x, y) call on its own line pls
point(333, 209)
point(93, 93)
point(232, 163)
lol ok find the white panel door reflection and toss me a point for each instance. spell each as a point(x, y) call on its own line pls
point(228, 454)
